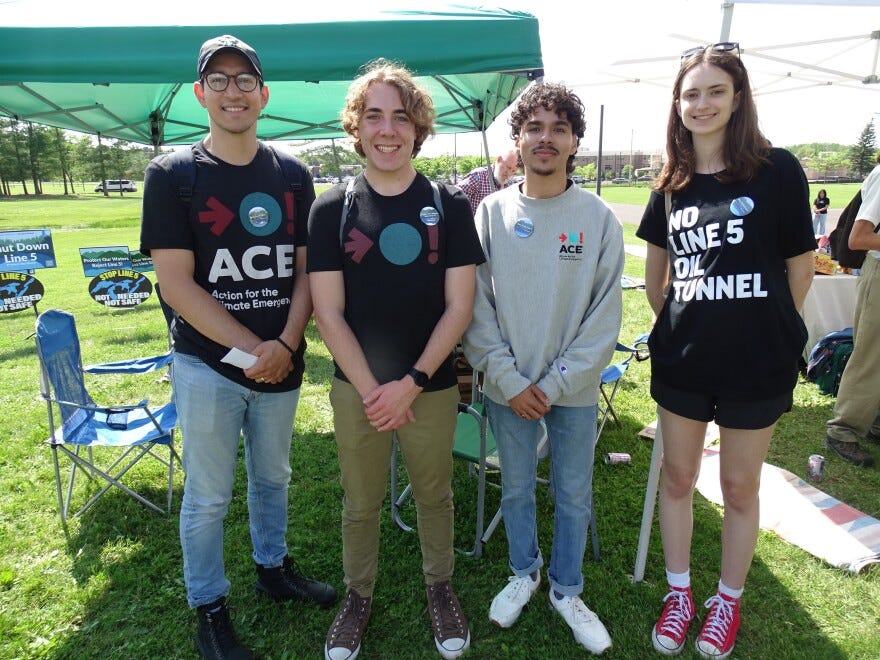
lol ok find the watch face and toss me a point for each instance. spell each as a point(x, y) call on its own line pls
point(420, 377)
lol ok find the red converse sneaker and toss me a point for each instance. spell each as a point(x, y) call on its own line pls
point(670, 630)
point(719, 630)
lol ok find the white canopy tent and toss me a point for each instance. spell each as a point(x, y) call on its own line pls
point(821, 54)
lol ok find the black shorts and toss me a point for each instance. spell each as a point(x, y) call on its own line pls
point(726, 412)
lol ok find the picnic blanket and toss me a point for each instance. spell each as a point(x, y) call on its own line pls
point(801, 514)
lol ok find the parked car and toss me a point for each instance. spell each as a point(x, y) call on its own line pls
point(619, 179)
point(645, 177)
point(115, 185)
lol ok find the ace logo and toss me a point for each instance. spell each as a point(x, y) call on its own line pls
point(572, 244)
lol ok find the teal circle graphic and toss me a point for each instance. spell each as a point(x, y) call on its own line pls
point(742, 206)
point(400, 243)
point(266, 205)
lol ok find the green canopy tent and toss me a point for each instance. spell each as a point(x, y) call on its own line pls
point(130, 77)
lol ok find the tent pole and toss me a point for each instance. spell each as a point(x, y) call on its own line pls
point(726, 20)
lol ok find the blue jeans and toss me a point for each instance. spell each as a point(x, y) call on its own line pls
point(572, 434)
point(214, 412)
point(819, 224)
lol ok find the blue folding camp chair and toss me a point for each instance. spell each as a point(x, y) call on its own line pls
point(120, 435)
point(612, 375)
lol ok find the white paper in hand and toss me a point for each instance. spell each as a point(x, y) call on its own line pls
point(239, 358)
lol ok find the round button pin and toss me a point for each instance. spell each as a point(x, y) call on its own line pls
point(430, 216)
point(258, 216)
point(524, 228)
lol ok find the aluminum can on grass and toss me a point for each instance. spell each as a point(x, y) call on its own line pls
point(617, 457)
point(815, 467)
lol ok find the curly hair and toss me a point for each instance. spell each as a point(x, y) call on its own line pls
point(554, 97)
point(417, 103)
point(745, 148)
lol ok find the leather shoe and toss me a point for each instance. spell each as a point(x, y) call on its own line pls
point(850, 451)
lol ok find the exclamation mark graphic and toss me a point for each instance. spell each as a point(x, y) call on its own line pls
point(433, 239)
point(288, 202)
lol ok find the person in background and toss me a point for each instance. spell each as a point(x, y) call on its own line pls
point(857, 407)
point(205, 269)
point(392, 279)
point(820, 212)
point(485, 180)
point(542, 355)
point(729, 263)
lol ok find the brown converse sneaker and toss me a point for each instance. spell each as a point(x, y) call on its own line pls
point(451, 634)
point(850, 451)
point(347, 630)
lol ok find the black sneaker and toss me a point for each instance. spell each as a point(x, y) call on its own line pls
point(850, 451)
point(215, 638)
point(285, 582)
point(872, 437)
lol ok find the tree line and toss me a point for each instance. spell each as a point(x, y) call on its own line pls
point(31, 154)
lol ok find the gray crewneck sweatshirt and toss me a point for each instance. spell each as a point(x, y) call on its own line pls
point(548, 304)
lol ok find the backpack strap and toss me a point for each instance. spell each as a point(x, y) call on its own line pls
point(292, 170)
point(183, 173)
point(346, 205)
point(349, 196)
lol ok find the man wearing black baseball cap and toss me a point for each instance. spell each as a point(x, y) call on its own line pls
point(230, 258)
point(227, 43)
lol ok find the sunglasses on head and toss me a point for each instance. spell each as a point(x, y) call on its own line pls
point(721, 47)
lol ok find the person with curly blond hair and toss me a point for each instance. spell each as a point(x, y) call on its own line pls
point(392, 273)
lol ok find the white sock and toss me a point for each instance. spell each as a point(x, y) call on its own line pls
point(679, 580)
point(727, 591)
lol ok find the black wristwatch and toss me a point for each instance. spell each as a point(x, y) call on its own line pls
point(420, 377)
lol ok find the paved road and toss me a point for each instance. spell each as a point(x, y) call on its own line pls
point(631, 214)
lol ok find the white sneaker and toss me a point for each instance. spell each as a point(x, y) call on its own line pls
point(584, 623)
point(510, 601)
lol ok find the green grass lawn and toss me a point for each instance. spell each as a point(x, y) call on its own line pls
point(112, 586)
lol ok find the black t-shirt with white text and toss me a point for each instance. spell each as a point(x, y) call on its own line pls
point(243, 227)
point(729, 326)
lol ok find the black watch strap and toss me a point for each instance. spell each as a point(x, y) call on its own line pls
point(420, 377)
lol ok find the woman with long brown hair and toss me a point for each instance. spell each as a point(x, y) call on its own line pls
point(729, 262)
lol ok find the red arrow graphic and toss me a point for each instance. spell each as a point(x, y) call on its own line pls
point(358, 246)
point(219, 216)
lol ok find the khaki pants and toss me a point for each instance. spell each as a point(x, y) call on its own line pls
point(364, 460)
point(858, 399)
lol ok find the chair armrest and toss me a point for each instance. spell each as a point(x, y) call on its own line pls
point(141, 365)
point(96, 408)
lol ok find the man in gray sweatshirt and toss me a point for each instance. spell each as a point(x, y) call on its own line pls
point(546, 318)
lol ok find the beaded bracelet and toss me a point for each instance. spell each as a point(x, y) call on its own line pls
point(284, 343)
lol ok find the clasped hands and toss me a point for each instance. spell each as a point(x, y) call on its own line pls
point(273, 365)
point(531, 404)
point(387, 407)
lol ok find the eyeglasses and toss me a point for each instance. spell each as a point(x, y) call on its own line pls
point(246, 82)
point(721, 47)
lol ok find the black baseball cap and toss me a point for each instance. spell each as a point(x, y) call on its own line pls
point(227, 42)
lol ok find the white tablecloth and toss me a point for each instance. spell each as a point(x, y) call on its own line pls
point(830, 305)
